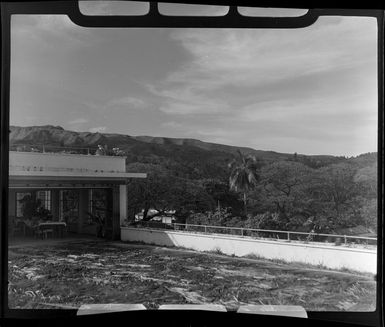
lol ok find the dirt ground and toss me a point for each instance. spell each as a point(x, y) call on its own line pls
point(67, 275)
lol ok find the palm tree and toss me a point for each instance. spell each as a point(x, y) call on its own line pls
point(244, 175)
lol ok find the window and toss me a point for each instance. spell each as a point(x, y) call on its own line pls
point(45, 199)
point(21, 197)
point(69, 205)
point(98, 202)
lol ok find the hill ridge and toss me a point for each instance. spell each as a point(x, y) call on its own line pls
point(189, 158)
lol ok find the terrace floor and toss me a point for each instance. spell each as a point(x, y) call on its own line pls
point(23, 241)
point(68, 273)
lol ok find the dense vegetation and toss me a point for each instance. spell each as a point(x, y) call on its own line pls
point(285, 195)
point(215, 184)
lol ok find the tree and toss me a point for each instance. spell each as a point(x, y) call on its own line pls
point(167, 193)
point(338, 187)
point(221, 193)
point(367, 176)
point(283, 186)
point(368, 211)
point(244, 175)
point(335, 197)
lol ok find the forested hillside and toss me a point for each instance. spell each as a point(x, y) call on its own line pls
point(208, 183)
point(187, 158)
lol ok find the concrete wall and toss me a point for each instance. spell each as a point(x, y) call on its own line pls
point(331, 256)
point(69, 161)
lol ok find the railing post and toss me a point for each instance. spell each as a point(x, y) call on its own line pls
point(43, 148)
point(345, 240)
point(242, 231)
point(288, 236)
point(205, 229)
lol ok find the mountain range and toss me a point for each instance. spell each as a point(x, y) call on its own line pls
point(184, 157)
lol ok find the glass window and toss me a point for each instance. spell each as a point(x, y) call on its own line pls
point(98, 202)
point(21, 198)
point(69, 205)
point(45, 199)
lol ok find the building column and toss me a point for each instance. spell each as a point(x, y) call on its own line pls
point(123, 203)
point(83, 208)
point(55, 204)
point(11, 203)
point(116, 212)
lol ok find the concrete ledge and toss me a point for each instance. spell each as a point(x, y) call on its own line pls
point(330, 256)
point(276, 310)
point(91, 309)
point(205, 307)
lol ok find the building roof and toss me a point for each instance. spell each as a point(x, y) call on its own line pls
point(53, 167)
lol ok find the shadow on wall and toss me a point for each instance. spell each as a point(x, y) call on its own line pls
point(149, 237)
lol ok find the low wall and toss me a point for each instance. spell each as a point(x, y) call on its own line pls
point(331, 256)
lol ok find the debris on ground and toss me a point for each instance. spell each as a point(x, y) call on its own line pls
point(72, 274)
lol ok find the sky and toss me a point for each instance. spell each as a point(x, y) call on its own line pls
point(310, 90)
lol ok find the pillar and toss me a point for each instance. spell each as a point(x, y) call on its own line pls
point(116, 212)
point(11, 203)
point(123, 203)
point(55, 204)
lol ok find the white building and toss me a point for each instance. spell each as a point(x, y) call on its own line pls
point(70, 186)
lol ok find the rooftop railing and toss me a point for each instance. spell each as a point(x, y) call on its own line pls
point(44, 148)
point(281, 235)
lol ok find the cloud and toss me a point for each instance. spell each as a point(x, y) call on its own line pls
point(226, 64)
point(78, 121)
point(189, 129)
point(260, 56)
point(128, 101)
point(99, 129)
point(48, 30)
point(359, 110)
point(198, 106)
point(173, 125)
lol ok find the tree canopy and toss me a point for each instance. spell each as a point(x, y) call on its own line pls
point(244, 175)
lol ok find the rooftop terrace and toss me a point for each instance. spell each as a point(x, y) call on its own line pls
point(61, 165)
